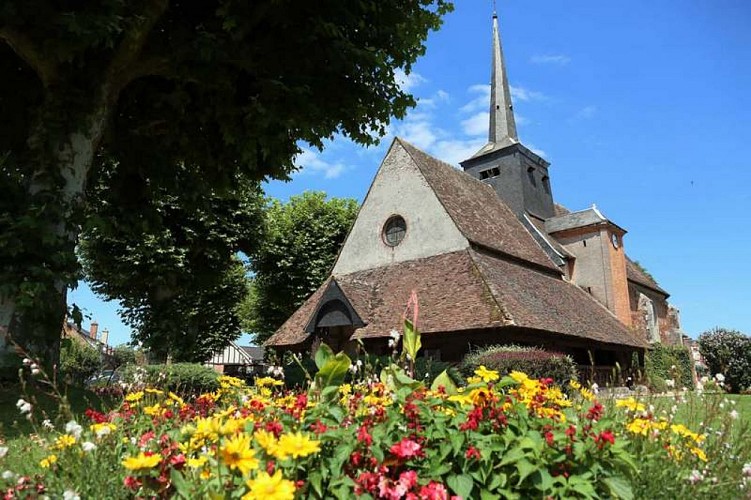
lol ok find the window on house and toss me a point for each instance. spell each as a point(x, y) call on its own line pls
point(394, 230)
point(585, 242)
point(491, 172)
point(531, 175)
point(546, 183)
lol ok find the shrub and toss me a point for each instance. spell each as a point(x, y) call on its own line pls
point(185, 379)
point(534, 361)
point(663, 363)
point(78, 361)
point(728, 352)
point(124, 355)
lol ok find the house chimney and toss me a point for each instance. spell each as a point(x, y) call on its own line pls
point(93, 329)
point(105, 335)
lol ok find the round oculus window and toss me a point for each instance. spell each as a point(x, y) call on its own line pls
point(394, 230)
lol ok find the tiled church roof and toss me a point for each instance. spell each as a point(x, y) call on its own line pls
point(638, 276)
point(467, 290)
point(477, 210)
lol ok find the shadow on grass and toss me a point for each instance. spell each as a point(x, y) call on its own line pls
point(13, 424)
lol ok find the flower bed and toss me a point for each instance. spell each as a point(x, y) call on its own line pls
point(380, 437)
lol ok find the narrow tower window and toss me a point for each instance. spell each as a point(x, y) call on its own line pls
point(531, 175)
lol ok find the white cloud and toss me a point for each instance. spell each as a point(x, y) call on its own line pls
point(482, 101)
point(310, 162)
point(407, 82)
point(476, 124)
point(431, 102)
point(537, 151)
point(454, 151)
point(585, 113)
point(524, 94)
point(421, 133)
point(553, 59)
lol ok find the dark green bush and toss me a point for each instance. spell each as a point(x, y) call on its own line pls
point(534, 361)
point(728, 352)
point(185, 379)
point(78, 361)
point(663, 363)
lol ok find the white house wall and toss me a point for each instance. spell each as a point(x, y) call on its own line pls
point(398, 189)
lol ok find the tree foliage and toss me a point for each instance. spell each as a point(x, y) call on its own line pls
point(171, 262)
point(227, 88)
point(728, 352)
point(303, 237)
point(78, 361)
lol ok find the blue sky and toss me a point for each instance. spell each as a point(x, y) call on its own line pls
point(641, 107)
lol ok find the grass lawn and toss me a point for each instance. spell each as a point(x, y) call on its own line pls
point(13, 424)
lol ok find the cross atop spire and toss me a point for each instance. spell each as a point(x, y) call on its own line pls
point(502, 131)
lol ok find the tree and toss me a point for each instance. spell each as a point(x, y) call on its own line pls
point(303, 237)
point(227, 87)
point(728, 352)
point(171, 263)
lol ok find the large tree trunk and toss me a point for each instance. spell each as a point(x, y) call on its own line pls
point(62, 167)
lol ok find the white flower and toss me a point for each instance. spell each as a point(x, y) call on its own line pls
point(9, 476)
point(103, 431)
point(47, 424)
point(746, 469)
point(670, 383)
point(3, 451)
point(23, 406)
point(88, 446)
point(720, 377)
point(695, 477)
point(27, 361)
point(73, 429)
point(734, 415)
point(595, 388)
point(71, 495)
point(395, 335)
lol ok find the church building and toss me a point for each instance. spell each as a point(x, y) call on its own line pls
point(493, 260)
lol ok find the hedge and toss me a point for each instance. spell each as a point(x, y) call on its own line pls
point(185, 379)
point(534, 361)
point(663, 363)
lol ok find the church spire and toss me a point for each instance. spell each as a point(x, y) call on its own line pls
point(502, 125)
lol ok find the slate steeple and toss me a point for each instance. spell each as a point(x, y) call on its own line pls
point(519, 176)
point(502, 130)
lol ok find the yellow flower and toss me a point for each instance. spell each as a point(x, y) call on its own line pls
point(141, 462)
point(153, 410)
point(134, 397)
point(266, 487)
point(155, 391)
point(296, 445)
point(238, 454)
point(487, 375)
point(264, 381)
point(198, 462)
point(639, 426)
point(47, 462)
point(574, 384)
point(699, 453)
point(64, 441)
point(266, 440)
point(102, 429)
point(520, 377)
point(630, 404)
point(226, 382)
point(473, 380)
point(587, 394)
point(345, 389)
point(176, 398)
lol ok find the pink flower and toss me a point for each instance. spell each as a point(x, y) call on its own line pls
point(434, 491)
point(406, 448)
point(408, 478)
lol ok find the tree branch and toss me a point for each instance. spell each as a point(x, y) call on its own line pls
point(127, 53)
point(25, 48)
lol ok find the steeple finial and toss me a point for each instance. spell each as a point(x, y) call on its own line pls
point(502, 125)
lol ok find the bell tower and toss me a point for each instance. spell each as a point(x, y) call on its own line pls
point(519, 176)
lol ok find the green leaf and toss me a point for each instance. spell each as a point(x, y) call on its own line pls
point(542, 480)
point(618, 487)
point(461, 484)
point(315, 482)
point(412, 342)
point(443, 380)
point(486, 495)
point(333, 371)
point(525, 468)
point(323, 354)
point(457, 442)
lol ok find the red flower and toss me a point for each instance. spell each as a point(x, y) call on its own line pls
point(434, 491)
point(473, 452)
point(406, 448)
point(145, 438)
point(604, 437)
point(549, 438)
point(571, 432)
point(595, 412)
point(318, 427)
point(363, 436)
point(177, 461)
point(131, 483)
